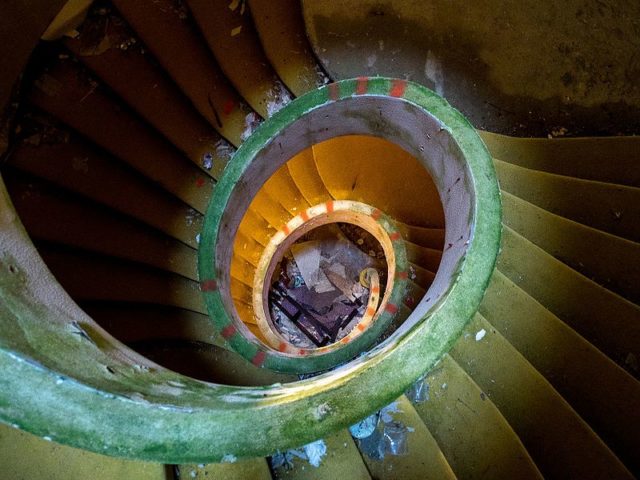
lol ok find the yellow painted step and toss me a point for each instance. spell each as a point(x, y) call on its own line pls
point(281, 29)
point(425, 237)
point(342, 460)
point(143, 85)
point(599, 390)
point(427, 258)
point(379, 173)
point(253, 468)
point(605, 319)
point(79, 167)
point(474, 436)
point(93, 277)
point(170, 34)
point(616, 265)
point(247, 249)
point(231, 36)
point(256, 227)
point(304, 173)
point(26, 457)
point(67, 220)
point(242, 271)
point(560, 442)
point(283, 189)
point(424, 459)
point(605, 206)
point(269, 209)
point(66, 92)
point(603, 159)
point(421, 275)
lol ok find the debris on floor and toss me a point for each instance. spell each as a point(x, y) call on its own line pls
point(480, 334)
point(366, 427)
point(419, 391)
point(385, 435)
point(317, 296)
point(312, 453)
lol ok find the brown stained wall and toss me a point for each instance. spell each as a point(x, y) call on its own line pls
point(524, 68)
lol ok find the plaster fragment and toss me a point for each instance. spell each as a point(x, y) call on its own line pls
point(315, 451)
point(480, 335)
point(207, 161)
point(366, 427)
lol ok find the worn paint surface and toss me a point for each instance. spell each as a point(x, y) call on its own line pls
point(137, 409)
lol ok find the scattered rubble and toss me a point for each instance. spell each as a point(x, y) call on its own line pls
point(312, 452)
point(387, 436)
point(419, 391)
point(317, 296)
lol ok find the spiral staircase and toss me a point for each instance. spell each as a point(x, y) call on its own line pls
point(123, 140)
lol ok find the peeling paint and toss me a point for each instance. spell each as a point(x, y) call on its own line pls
point(229, 458)
point(277, 98)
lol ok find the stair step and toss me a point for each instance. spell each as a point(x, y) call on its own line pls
point(78, 167)
point(342, 460)
point(26, 456)
point(616, 265)
point(604, 206)
point(67, 220)
point(558, 440)
point(235, 44)
point(281, 30)
point(174, 39)
point(379, 173)
point(253, 468)
point(608, 321)
point(93, 277)
point(598, 389)
point(602, 159)
point(65, 92)
point(422, 459)
point(143, 85)
point(474, 436)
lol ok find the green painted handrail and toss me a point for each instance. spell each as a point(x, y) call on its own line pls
point(62, 377)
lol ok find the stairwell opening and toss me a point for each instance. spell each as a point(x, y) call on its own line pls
point(53, 346)
point(368, 146)
point(321, 286)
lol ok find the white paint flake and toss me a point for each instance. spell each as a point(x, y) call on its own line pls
point(315, 451)
point(278, 97)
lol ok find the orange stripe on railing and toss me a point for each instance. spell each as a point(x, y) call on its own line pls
point(397, 88)
point(362, 85)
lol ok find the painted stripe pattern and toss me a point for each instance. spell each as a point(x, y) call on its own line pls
point(374, 312)
point(378, 310)
point(397, 88)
